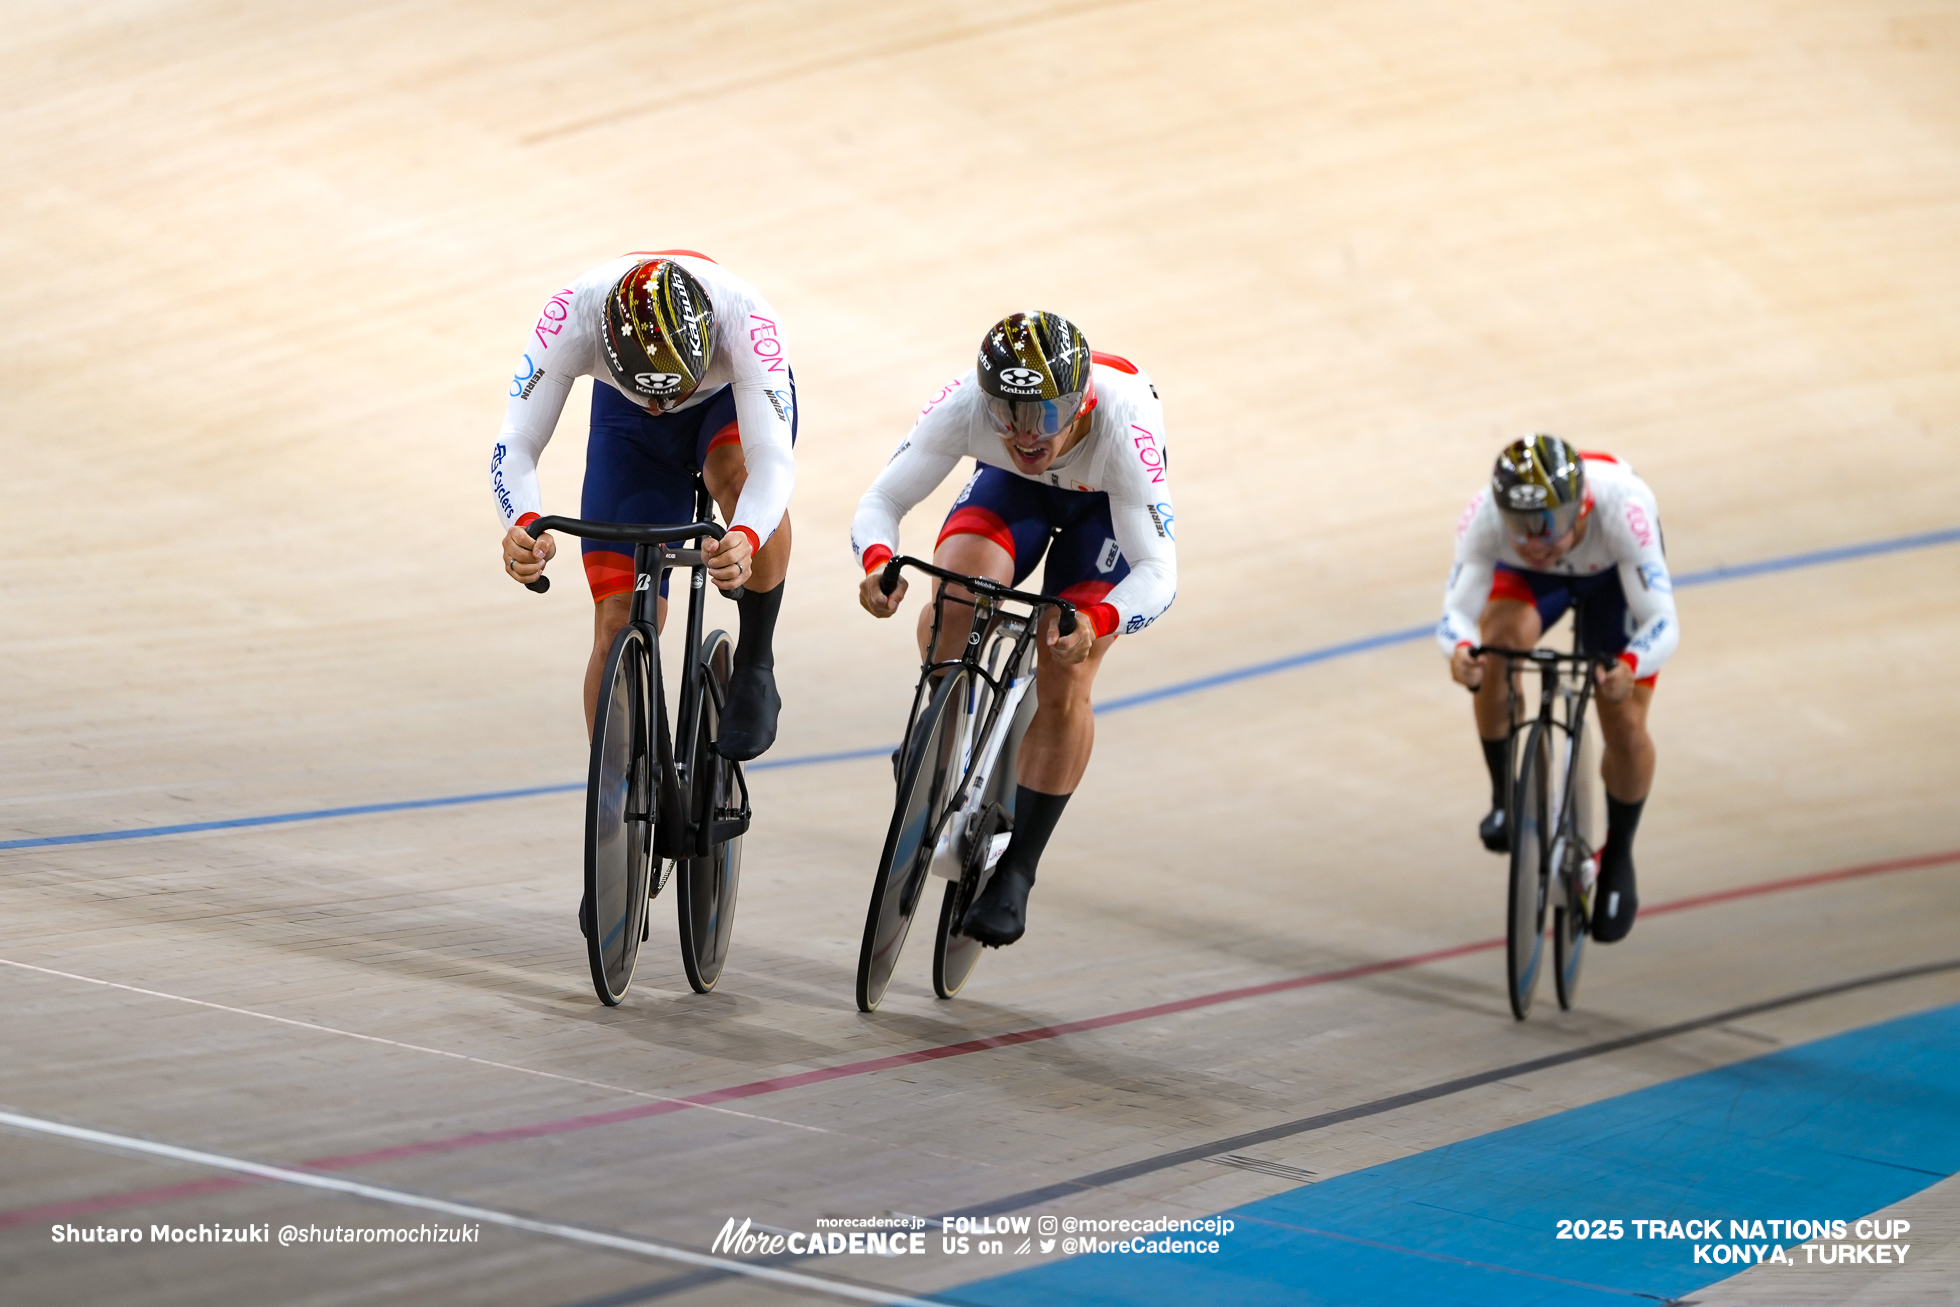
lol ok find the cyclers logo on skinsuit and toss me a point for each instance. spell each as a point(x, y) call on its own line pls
point(1112, 554)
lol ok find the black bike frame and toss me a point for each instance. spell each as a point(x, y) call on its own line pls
point(677, 832)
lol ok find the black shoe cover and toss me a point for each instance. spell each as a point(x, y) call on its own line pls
point(999, 916)
point(1495, 831)
point(1614, 901)
point(748, 719)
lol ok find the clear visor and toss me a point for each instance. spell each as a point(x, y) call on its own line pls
point(1544, 525)
point(1045, 418)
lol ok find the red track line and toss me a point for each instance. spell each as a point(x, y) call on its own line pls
point(567, 1125)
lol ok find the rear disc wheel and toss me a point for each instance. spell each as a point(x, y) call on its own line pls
point(1578, 842)
point(708, 884)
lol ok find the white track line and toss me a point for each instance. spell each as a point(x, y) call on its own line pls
point(415, 1048)
point(469, 1211)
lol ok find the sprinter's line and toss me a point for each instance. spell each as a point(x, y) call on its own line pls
point(1787, 563)
point(566, 1125)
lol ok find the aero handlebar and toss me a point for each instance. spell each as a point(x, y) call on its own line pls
point(1540, 655)
point(623, 533)
point(888, 582)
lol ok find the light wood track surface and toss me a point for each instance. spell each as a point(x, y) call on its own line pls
point(266, 273)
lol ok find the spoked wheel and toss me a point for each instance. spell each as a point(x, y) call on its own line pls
point(619, 818)
point(1578, 843)
point(930, 769)
point(1525, 934)
point(708, 884)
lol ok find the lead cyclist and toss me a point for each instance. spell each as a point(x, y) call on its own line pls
point(1071, 463)
point(689, 375)
point(1557, 527)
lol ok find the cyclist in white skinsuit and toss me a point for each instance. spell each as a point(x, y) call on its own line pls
point(1558, 527)
point(690, 373)
point(1072, 464)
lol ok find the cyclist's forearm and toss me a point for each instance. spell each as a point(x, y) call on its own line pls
point(1463, 603)
point(765, 494)
point(912, 474)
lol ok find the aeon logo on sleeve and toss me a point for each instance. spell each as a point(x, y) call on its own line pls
point(1643, 531)
point(940, 398)
point(552, 320)
point(768, 346)
point(1148, 453)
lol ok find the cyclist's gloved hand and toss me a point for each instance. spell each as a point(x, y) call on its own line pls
point(876, 601)
point(1070, 648)
point(1465, 669)
point(729, 559)
point(1615, 682)
point(524, 558)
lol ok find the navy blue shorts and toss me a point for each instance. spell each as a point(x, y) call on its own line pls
point(640, 467)
point(1027, 518)
point(1605, 625)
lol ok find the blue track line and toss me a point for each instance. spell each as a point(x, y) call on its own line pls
point(1708, 576)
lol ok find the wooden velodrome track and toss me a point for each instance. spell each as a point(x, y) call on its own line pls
point(266, 276)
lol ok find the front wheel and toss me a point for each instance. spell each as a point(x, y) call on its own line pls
point(929, 774)
point(708, 883)
point(1525, 929)
point(619, 818)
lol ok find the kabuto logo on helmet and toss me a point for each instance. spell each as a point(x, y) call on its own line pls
point(1033, 356)
point(658, 333)
point(1525, 498)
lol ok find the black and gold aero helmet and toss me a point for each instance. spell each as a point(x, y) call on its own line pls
point(1034, 371)
point(659, 334)
point(1539, 485)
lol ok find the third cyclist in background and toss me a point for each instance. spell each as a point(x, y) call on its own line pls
point(1557, 526)
point(1070, 447)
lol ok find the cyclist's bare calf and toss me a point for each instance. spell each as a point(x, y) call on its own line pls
point(725, 474)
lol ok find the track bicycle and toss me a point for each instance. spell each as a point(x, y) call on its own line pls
point(956, 774)
point(655, 802)
point(1553, 814)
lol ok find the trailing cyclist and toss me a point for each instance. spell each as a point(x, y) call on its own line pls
point(1071, 462)
point(690, 375)
point(1558, 528)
